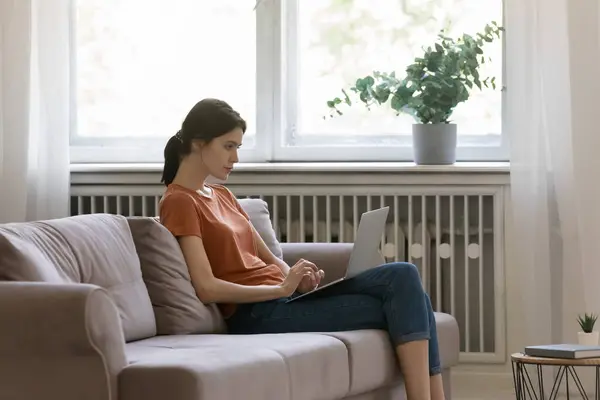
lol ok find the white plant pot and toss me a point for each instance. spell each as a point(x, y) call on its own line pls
point(434, 144)
point(588, 339)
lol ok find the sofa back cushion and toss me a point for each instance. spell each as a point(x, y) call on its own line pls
point(258, 212)
point(96, 249)
point(177, 308)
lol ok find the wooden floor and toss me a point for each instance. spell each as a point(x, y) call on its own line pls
point(466, 387)
point(484, 394)
point(480, 391)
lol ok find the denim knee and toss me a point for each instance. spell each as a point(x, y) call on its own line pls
point(405, 272)
point(407, 314)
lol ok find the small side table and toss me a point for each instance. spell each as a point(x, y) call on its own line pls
point(526, 389)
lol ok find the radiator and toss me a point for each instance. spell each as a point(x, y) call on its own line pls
point(454, 235)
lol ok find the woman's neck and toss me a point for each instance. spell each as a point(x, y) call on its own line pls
point(190, 178)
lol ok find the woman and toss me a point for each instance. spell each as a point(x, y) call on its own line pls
point(231, 266)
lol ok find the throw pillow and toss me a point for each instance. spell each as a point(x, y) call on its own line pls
point(177, 309)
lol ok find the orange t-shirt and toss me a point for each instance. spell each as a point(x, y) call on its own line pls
point(226, 232)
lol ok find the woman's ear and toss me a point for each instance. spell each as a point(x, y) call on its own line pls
point(197, 145)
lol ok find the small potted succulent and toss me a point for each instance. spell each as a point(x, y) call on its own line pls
point(587, 336)
point(429, 90)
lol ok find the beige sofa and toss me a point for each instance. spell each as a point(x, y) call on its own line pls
point(102, 307)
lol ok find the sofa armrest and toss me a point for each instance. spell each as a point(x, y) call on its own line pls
point(330, 257)
point(59, 341)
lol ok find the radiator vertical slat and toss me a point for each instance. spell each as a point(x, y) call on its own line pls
point(354, 215)
point(424, 250)
point(480, 230)
point(315, 219)
point(79, 205)
point(288, 216)
point(410, 227)
point(342, 219)
point(119, 211)
point(105, 205)
point(328, 219)
point(156, 206)
point(382, 204)
point(276, 217)
point(467, 303)
point(452, 262)
point(130, 211)
point(438, 258)
point(369, 200)
point(301, 205)
point(396, 227)
point(93, 204)
point(145, 206)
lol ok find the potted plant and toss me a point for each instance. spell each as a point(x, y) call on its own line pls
point(437, 81)
point(587, 336)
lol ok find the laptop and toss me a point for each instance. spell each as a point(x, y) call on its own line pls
point(365, 253)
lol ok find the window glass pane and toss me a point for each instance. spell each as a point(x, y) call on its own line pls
point(142, 65)
point(342, 40)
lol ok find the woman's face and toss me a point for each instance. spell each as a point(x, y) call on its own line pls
point(219, 156)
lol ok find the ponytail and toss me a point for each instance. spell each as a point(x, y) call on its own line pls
point(172, 155)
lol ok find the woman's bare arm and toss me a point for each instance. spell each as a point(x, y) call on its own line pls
point(213, 290)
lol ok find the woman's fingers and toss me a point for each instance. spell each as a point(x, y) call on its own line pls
point(306, 268)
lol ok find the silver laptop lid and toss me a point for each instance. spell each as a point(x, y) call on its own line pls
point(365, 254)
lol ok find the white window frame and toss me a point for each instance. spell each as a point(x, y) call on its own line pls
point(276, 110)
point(288, 51)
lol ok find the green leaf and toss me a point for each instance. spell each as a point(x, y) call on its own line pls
point(397, 103)
point(364, 97)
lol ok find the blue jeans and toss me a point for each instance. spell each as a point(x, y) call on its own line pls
point(389, 297)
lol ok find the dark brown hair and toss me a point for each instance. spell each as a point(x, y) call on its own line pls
point(208, 119)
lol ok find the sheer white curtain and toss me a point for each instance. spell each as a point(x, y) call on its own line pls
point(553, 112)
point(34, 109)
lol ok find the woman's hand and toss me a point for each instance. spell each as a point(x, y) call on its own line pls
point(301, 271)
point(311, 282)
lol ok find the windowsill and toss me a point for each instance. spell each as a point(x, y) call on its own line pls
point(405, 167)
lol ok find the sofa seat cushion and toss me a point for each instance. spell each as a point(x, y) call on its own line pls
point(292, 366)
point(214, 373)
point(372, 358)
